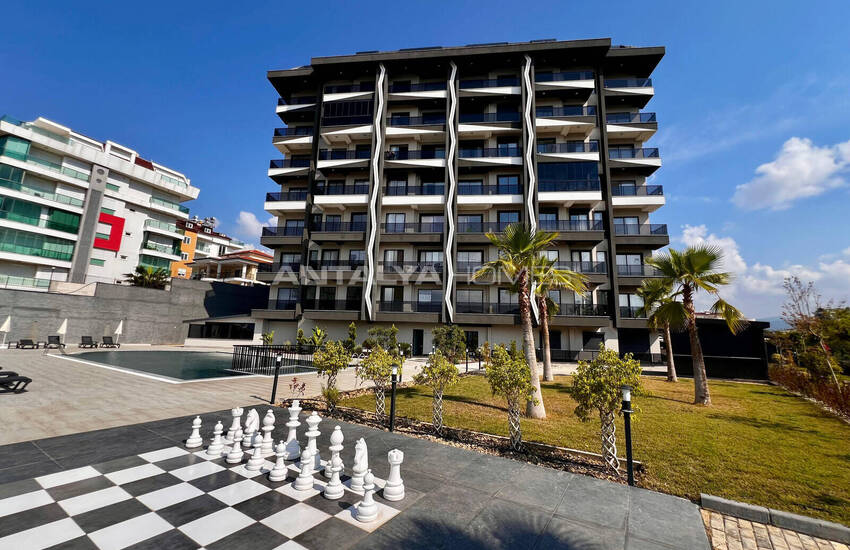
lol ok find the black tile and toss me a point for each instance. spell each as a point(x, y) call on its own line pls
point(592, 500)
point(253, 537)
point(94, 520)
point(503, 524)
point(410, 497)
point(170, 540)
point(217, 480)
point(31, 518)
point(18, 454)
point(265, 505)
point(79, 543)
point(26, 471)
point(562, 533)
point(151, 484)
point(263, 479)
point(537, 486)
point(18, 488)
point(333, 507)
point(190, 510)
point(119, 464)
point(179, 462)
point(78, 488)
point(332, 534)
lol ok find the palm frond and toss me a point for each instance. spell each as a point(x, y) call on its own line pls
point(734, 318)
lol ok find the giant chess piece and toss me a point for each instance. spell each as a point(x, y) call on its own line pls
point(278, 473)
point(234, 425)
point(394, 489)
point(304, 481)
point(293, 449)
point(216, 445)
point(268, 426)
point(255, 463)
point(235, 454)
point(195, 439)
point(312, 433)
point(252, 426)
point(335, 448)
point(334, 489)
point(361, 465)
point(367, 510)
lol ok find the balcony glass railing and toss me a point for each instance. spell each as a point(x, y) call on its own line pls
point(425, 120)
point(482, 227)
point(583, 267)
point(491, 83)
point(55, 167)
point(303, 100)
point(628, 83)
point(283, 231)
point(468, 267)
point(293, 131)
point(568, 185)
point(509, 116)
point(339, 227)
point(583, 310)
point(64, 199)
point(619, 190)
point(569, 147)
point(563, 76)
point(165, 249)
point(414, 227)
point(488, 152)
point(323, 188)
point(289, 163)
point(336, 265)
point(415, 155)
point(38, 222)
point(637, 271)
point(640, 229)
point(418, 87)
point(349, 88)
point(286, 196)
point(631, 312)
point(162, 225)
point(25, 282)
point(325, 154)
point(570, 225)
point(346, 120)
point(332, 305)
point(424, 189)
point(566, 111)
point(173, 183)
point(169, 204)
point(282, 304)
point(630, 118)
point(476, 188)
point(16, 248)
point(410, 307)
point(279, 267)
point(644, 153)
point(411, 267)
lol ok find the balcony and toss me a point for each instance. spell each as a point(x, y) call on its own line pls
point(587, 268)
point(415, 155)
point(568, 147)
point(55, 197)
point(350, 88)
point(619, 190)
point(38, 222)
point(583, 310)
point(628, 83)
point(7, 281)
point(282, 304)
point(162, 248)
point(565, 111)
point(631, 312)
point(321, 304)
point(641, 160)
point(281, 309)
point(169, 205)
point(349, 120)
point(474, 118)
point(338, 227)
point(630, 118)
point(333, 188)
point(624, 270)
point(411, 267)
point(628, 92)
point(401, 88)
point(303, 100)
point(410, 307)
point(491, 83)
point(296, 131)
point(335, 265)
point(641, 153)
point(482, 227)
point(466, 188)
point(274, 236)
point(279, 267)
point(427, 189)
point(427, 120)
point(414, 232)
point(348, 154)
point(288, 167)
point(286, 196)
point(493, 156)
point(468, 267)
point(650, 234)
point(570, 225)
point(563, 76)
point(565, 186)
point(26, 250)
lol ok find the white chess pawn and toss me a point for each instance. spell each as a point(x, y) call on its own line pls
point(268, 426)
point(312, 433)
point(195, 437)
point(334, 489)
point(278, 473)
point(293, 448)
point(367, 510)
point(394, 489)
point(256, 461)
point(361, 464)
point(234, 425)
point(304, 481)
point(216, 445)
point(335, 449)
point(235, 454)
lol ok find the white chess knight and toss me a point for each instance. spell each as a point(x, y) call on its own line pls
point(293, 448)
point(394, 488)
point(234, 425)
point(335, 448)
point(195, 439)
point(235, 454)
point(256, 461)
point(367, 510)
point(312, 433)
point(252, 426)
point(304, 481)
point(334, 489)
point(278, 473)
point(268, 427)
point(216, 445)
point(361, 465)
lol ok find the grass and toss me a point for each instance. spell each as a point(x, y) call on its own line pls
point(756, 443)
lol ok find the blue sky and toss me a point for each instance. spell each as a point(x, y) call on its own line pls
point(184, 84)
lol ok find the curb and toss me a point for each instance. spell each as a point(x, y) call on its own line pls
point(785, 520)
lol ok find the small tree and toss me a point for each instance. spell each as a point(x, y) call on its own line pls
point(377, 368)
point(268, 338)
point(508, 374)
point(351, 342)
point(439, 373)
point(318, 338)
point(450, 340)
point(299, 338)
point(597, 387)
point(329, 361)
point(383, 337)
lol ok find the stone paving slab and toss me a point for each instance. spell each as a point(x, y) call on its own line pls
point(731, 533)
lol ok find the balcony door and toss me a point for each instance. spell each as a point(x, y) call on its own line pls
point(353, 297)
point(469, 260)
point(429, 300)
point(430, 260)
point(627, 225)
point(507, 218)
point(358, 221)
point(582, 260)
point(508, 301)
point(393, 258)
point(356, 258)
point(392, 298)
point(333, 222)
point(470, 223)
point(327, 297)
point(431, 223)
point(330, 259)
point(630, 264)
point(395, 223)
point(470, 301)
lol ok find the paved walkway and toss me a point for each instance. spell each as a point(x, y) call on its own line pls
point(731, 533)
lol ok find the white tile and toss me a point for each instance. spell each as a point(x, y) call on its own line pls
point(203, 454)
point(68, 476)
point(26, 501)
point(126, 533)
point(209, 529)
point(385, 513)
point(194, 471)
point(43, 536)
point(379, 484)
point(288, 490)
point(134, 474)
point(162, 498)
point(237, 492)
point(291, 545)
point(295, 520)
point(93, 501)
point(163, 454)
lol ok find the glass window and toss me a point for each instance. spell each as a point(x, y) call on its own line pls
point(551, 255)
point(470, 257)
point(508, 185)
point(392, 294)
point(467, 296)
point(184, 256)
point(393, 256)
point(395, 223)
point(430, 256)
point(470, 223)
point(546, 110)
point(561, 171)
point(187, 240)
point(431, 222)
point(397, 187)
point(356, 257)
point(429, 295)
point(358, 221)
point(472, 187)
point(333, 222)
point(95, 261)
point(506, 218)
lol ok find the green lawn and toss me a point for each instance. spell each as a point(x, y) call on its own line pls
point(756, 443)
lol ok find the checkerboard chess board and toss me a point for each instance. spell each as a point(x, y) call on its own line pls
point(172, 499)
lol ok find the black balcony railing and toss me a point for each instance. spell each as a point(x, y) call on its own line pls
point(411, 267)
point(468, 267)
point(282, 304)
point(571, 225)
point(418, 87)
point(506, 116)
point(482, 227)
point(293, 131)
point(348, 120)
point(560, 77)
point(637, 271)
point(303, 100)
point(570, 355)
point(286, 196)
point(619, 190)
point(569, 185)
point(644, 153)
point(628, 82)
point(640, 229)
point(583, 267)
point(583, 310)
point(472, 307)
point(289, 163)
point(278, 267)
point(488, 152)
point(631, 312)
point(349, 88)
point(332, 305)
point(424, 189)
point(569, 147)
point(348, 154)
point(410, 307)
point(332, 188)
point(630, 118)
point(415, 155)
point(338, 227)
point(335, 265)
point(566, 111)
point(414, 227)
point(476, 188)
point(491, 83)
point(283, 231)
point(426, 120)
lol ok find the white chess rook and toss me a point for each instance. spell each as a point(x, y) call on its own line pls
point(278, 473)
point(293, 448)
point(235, 454)
point(252, 426)
point(361, 464)
point(367, 510)
point(216, 445)
point(394, 488)
point(234, 425)
point(194, 439)
point(334, 489)
point(304, 481)
point(312, 433)
point(256, 461)
point(268, 427)
point(335, 449)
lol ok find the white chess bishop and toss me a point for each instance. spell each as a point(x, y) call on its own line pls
point(335, 448)
point(268, 427)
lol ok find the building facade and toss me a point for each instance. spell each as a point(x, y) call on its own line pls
point(397, 164)
point(73, 209)
point(201, 240)
point(237, 268)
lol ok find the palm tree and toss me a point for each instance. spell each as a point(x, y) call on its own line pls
point(687, 272)
point(546, 278)
point(655, 293)
point(519, 247)
point(148, 277)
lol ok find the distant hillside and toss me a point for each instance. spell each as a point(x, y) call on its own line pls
point(776, 323)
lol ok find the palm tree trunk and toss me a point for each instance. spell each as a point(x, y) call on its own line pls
point(701, 394)
point(532, 410)
point(544, 339)
point(671, 366)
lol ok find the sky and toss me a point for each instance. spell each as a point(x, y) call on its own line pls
point(752, 98)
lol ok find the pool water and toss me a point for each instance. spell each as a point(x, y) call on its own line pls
point(180, 365)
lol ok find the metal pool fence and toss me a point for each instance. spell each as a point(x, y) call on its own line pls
point(263, 359)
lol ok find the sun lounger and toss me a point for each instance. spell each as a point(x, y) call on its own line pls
point(87, 342)
point(27, 344)
point(54, 342)
point(13, 384)
point(108, 342)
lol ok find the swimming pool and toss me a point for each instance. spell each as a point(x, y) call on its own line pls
point(177, 365)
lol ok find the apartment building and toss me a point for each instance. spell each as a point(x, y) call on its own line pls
point(396, 165)
point(200, 241)
point(74, 209)
point(237, 268)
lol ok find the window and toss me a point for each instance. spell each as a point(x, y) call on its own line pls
point(363, 151)
point(391, 294)
point(429, 300)
point(549, 220)
point(293, 227)
point(327, 297)
point(508, 301)
point(567, 171)
point(95, 261)
point(470, 223)
point(473, 187)
point(508, 185)
point(104, 236)
point(508, 148)
point(107, 211)
point(184, 256)
point(187, 240)
point(431, 223)
point(507, 218)
point(112, 187)
point(630, 304)
point(330, 256)
point(397, 187)
point(625, 188)
point(333, 222)
point(473, 257)
point(287, 295)
point(181, 272)
point(466, 296)
point(430, 256)
point(627, 225)
point(395, 223)
point(356, 257)
point(223, 331)
point(290, 258)
point(358, 221)
point(630, 264)
point(545, 110)
point(393, 257)
point(551, 255)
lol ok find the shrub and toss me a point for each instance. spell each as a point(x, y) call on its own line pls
point(318, 338)
point(268, 338)
point(820, 389)
point(508, 374)
point(299, 338)
point(450, 340)
point(329, 361)
point(439, 373)
point(351, 342)
point(377, 368)
point(383, 337)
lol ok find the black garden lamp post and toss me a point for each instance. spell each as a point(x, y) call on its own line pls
point(278, 362)
point(393, 382)
point(627, 421)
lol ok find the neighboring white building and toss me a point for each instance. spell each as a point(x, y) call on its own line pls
point(79, 210)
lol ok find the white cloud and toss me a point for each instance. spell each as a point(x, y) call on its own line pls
point(800, 170)
point(250, 228)
point(757, 289)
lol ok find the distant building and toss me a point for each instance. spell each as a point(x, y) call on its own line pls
point(201, 240)
point(79, 210)
point(238, 268)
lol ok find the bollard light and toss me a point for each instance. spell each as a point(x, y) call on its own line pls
point(278, 363)
point(627, 412)
point(393, 382)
